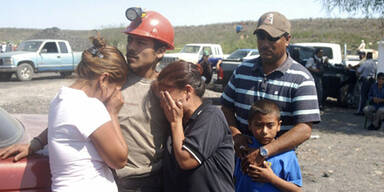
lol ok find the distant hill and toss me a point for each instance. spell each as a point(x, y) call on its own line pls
point(349, 31)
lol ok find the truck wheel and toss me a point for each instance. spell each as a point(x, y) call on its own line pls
point(5, 76)
point(24, 72)
point(65, 74)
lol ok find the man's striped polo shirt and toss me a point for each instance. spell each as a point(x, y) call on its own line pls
point(290, 86)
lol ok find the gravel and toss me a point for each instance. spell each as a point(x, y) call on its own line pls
point(341, 156)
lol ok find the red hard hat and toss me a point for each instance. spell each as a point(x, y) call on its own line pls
point(153, 25)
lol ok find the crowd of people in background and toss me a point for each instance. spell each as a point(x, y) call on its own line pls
point(368, 81)
point(7, 47)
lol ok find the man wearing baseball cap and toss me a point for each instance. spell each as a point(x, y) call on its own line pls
point(273, 76)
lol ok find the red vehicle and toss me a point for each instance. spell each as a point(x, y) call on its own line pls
point(30, 174)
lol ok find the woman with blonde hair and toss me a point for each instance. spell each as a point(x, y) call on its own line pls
point(83, 135)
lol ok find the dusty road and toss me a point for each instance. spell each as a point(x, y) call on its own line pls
point(344, 157)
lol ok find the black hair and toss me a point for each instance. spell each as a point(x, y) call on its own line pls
point(263, 107)
point(369, 55)
point(317, 50)
point(159, 44)
point(380, 75)
point(180, 73)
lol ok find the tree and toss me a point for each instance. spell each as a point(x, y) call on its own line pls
point(367, 7)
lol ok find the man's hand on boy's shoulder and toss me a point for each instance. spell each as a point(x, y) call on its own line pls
point(253, 157)
point(241, 143)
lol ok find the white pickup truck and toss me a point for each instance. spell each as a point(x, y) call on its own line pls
point(331, 50)
point(192, 53)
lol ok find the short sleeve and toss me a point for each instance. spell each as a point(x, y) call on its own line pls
point(203, 138)
point(292, 171)
point(305, 107)
point(361, 68)
point(91, 116)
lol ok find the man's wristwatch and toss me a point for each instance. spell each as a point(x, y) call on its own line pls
point(263, 152)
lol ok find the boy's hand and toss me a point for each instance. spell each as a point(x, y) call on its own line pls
point(263, 174)
point(253, 157)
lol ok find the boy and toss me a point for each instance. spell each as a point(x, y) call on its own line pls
point(278, 173)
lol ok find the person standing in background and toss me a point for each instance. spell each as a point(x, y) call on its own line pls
point(367, 73)
point(315, 65)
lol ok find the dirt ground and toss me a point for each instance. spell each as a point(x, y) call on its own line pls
point(341, 156)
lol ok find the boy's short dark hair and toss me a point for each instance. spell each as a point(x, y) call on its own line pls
point(263, 107)
point(380, 75)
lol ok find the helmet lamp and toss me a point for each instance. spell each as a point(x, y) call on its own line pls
point(133, 13)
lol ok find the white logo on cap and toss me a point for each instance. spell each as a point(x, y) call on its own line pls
point(269, 19)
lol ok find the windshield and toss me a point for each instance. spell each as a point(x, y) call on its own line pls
point(239, 54)
point(190, 49)
point(30, 46)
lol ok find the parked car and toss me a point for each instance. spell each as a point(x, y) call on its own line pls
point(39, 55)
point(192, 53)
point(30, 174)
point(330, 50)
point(243, 54)
point(229, 64)
point(338, 80)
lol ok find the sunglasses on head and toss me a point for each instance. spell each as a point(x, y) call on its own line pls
point(263, 36)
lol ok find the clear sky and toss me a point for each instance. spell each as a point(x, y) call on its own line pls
point(96, 14)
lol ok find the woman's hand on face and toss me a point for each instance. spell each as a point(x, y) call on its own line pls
point(115, 102)
point(173, 110)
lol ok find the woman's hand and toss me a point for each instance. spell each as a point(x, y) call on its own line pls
point(18, 150)
point(115, 102)
point(173, 110)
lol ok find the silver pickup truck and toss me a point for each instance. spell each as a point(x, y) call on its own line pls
point(39, 55)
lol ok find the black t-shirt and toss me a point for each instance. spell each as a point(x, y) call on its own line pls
point(208, 138)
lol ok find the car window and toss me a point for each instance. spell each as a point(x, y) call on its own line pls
point(305, 53)
point(327, 51)
point(51, 47)
point(254, 53)
point(30, 46)
point(300, 53)
point(190, 49)
point(207, 50)
point(238, 54)
point(63, 47)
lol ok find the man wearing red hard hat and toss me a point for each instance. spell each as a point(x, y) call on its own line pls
point(142, 121)
point(143, 124)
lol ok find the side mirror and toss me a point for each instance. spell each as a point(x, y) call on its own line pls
point(44, 51)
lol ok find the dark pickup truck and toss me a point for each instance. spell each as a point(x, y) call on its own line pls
point(338, 80)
